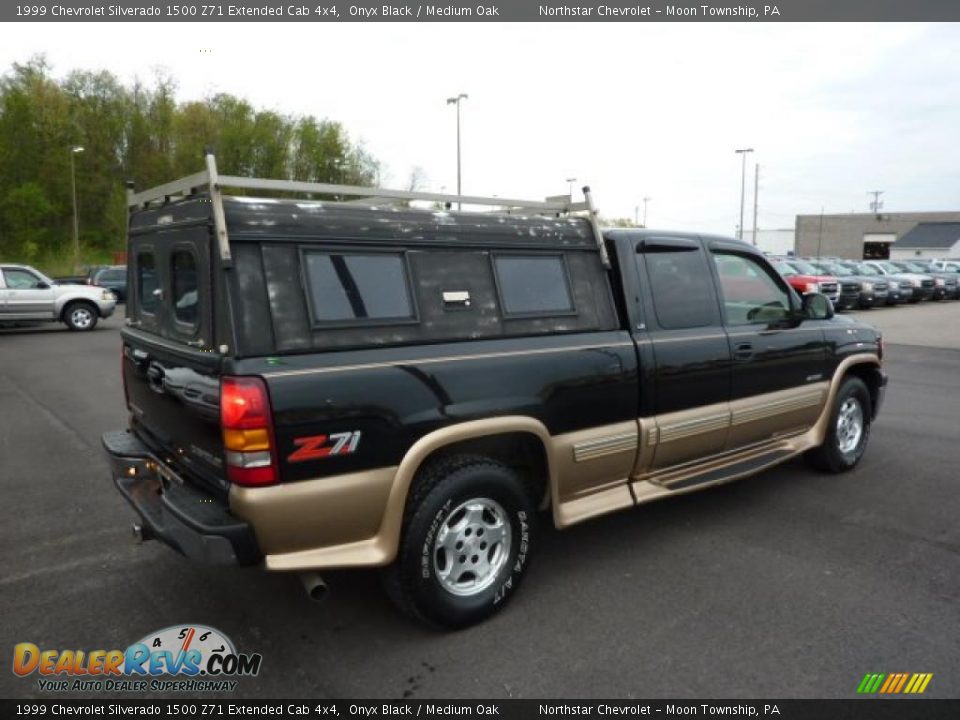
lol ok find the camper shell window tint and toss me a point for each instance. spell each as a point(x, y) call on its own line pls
point(352, 288)
point(184, 283)
point(148, 283)
point(533, 285)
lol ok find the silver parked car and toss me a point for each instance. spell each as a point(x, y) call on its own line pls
point(28, 294)
point(923, 284)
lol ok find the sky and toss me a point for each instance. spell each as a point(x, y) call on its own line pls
point(635, 110)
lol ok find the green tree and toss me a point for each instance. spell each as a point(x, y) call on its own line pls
point(141, 133)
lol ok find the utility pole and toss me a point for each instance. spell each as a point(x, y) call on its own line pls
point(743, 186)
point(756, 190)
point(645, 201)
point(820, 235)
point(877, 204)
point(456, 101)
point(76, 223)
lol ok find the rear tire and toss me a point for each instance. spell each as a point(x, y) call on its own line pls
point(848, 431)
point(468, 533)
point(80, 316)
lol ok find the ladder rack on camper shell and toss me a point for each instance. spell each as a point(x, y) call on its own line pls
point(211, 181)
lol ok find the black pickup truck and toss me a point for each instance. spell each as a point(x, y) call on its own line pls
point(320, 384)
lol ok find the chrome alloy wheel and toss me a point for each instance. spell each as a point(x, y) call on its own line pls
point(849, 425)
point(472, 546)
point(81, 317)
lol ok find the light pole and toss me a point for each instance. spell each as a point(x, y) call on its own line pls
point(743, 186)
point(645, 201)
point(456, 101)
point(76, 224)
point(570, 182)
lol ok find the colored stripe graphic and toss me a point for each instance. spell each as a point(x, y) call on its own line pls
point(894, 683)
point(903, 680)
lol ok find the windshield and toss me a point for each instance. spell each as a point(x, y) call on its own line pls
point(805, 267)
point(914, 267)
point(866, 269)
point(890, 267)
point(839, 270)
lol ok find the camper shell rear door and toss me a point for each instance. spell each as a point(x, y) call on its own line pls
point(170, 366)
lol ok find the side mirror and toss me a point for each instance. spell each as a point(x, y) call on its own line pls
point(43, 285)
point(817, 307)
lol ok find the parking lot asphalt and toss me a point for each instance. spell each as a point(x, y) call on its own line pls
point(928, 324)
point(788, 584)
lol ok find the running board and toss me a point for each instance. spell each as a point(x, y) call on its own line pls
point(739, 469)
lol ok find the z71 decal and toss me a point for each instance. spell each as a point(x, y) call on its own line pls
point(316, 447)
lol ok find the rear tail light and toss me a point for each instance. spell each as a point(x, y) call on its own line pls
point(248, 442)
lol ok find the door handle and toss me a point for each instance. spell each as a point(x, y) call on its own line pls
point(743, 351)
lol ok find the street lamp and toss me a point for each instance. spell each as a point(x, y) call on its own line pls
point(645, 201)
point(456, 101)
point(76, 225)
point(570, 182)
point(743, 186)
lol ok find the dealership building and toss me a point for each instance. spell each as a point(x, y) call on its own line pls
point(884, 235)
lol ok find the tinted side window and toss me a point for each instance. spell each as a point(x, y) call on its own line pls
point(147, 283)
point(112, 275)
point(20, 279)
point(533, 285)
point(183, 279)
point(350, 288)
point(750, 294)
point(683, 295)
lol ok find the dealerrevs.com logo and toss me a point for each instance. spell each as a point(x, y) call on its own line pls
point(188, 658)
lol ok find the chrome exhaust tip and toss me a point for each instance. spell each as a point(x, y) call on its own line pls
point(140, 533)
point(314, 585)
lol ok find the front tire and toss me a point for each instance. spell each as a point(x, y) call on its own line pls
point(849, 429)
point(467, 536)
point(80, 316)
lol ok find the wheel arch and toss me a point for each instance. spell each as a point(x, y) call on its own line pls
point(863, 365)
point(870, 374)
point(493, 437)
point(62, 315)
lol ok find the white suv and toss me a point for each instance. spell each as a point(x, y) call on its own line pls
point(28, 294)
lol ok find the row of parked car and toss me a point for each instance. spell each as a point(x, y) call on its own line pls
point(860, 284)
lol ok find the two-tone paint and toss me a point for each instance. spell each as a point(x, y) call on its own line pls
point(597, 420)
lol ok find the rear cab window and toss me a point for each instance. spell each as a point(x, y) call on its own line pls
point(682, 290)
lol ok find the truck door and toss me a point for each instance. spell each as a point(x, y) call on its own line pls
point(691, 356)
point(27, 295)
point(778, 382)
